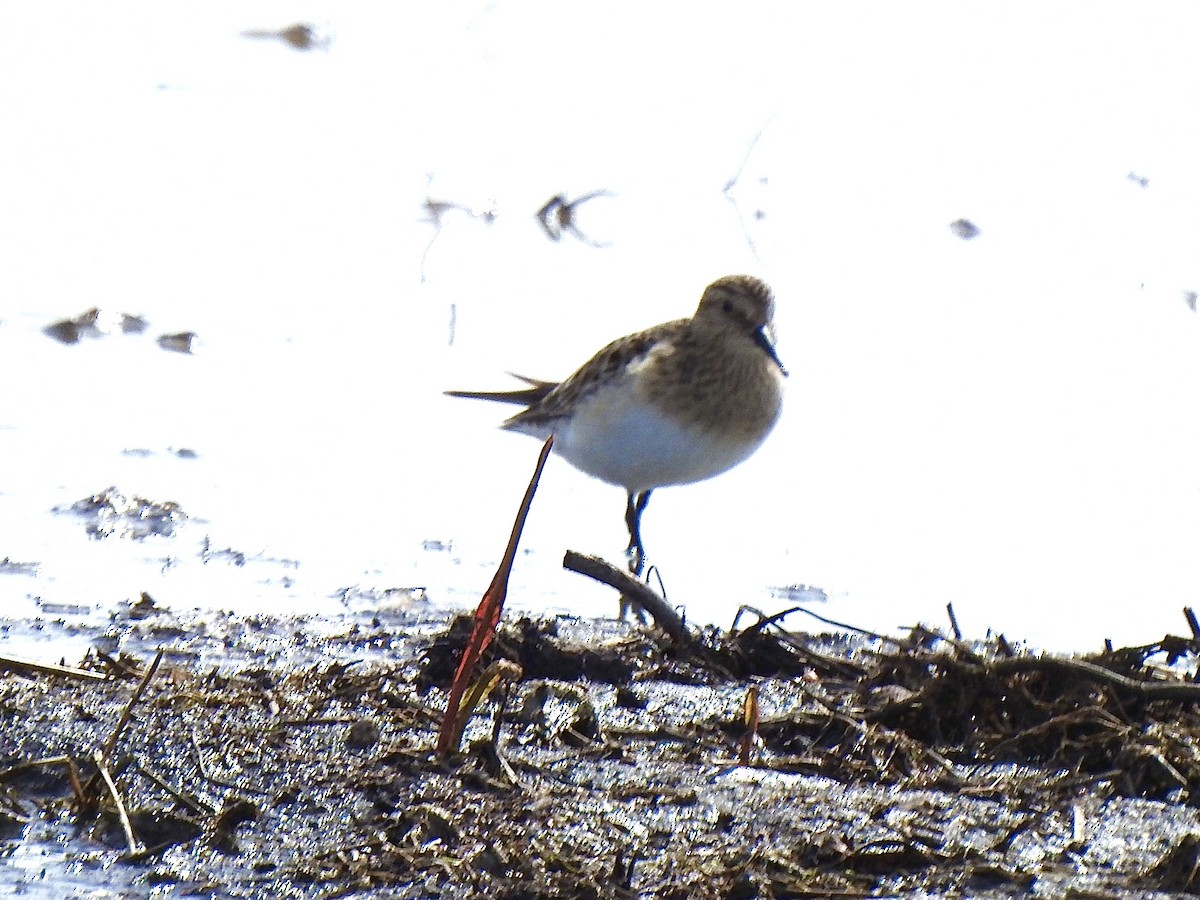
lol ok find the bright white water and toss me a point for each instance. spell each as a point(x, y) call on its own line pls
point(1008, 423)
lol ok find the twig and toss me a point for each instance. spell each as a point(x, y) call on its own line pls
point(128, 710)
point(1150, 690)
point(953, 622)
point(103, 755)
point(919, 636)
point(179, 797)
point(126, 825)
point(727, 191)
point(664, 615)
point(842, 666)
point(210, 777)
point(25, 667)
point(72, 772)
point(763, 619)
point(1190, 615)
point(117, 666)
point(1078, 839)
point(808, 612)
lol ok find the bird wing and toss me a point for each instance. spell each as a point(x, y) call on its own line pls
point(608, 364)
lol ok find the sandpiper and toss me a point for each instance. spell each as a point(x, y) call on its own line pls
point(674, 404)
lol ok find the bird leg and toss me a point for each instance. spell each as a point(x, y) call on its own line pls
point(634, 507)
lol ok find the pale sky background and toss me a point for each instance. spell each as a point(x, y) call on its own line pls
point(1008, 423)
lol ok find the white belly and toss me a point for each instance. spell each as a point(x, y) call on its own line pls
point(625, 442)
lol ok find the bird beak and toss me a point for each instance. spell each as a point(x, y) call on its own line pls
point(764, 340)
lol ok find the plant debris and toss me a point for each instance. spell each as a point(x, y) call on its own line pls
point(613, 761)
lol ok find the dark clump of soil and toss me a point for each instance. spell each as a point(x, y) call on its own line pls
point(615, 763)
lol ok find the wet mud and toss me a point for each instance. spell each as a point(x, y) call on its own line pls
point(250, 757)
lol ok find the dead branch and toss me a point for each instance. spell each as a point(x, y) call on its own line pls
point(663, 614)
point(126, 825)
point(25, 667)
point(128, 710)
point(1149, 690)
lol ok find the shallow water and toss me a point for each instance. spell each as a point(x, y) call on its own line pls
point(1005, 423)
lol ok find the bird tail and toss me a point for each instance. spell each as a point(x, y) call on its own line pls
point(535, 393)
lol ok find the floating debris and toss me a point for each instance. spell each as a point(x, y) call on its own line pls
point(180, 342)
point(111, 513)
point(94, 323)
point(240, 558)
point(228, 554)
point(435, 211)
point(299, 36)
point(558, 216)
point(137, 610)
point(12, 567)
point(61, 608)
point(146, 452)
point(435, 214)
point(965, 229)
point(65, 331)
point(359, 597)
point(800, 593)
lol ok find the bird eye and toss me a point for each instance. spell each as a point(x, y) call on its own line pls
point(727, 306)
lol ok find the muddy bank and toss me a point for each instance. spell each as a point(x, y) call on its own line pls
point(292, 758)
